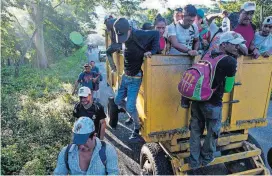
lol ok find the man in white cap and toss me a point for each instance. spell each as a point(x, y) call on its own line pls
point(263, 38)
point(246, 28)
point(210, 112)
point(87, 155)
point(94, 110)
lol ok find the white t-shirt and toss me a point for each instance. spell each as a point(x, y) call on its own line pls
point(226, 24)
point(213, 29)
point(184, 36)
point(165, 34)
point(264, 44)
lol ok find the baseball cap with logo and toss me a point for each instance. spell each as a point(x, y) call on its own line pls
point(232, 37)
point(84, 92)
point(83, 128)
point(268, 20)
point(248, 6)
point(121, 28)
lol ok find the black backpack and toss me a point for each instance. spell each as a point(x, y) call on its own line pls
point(102, 155)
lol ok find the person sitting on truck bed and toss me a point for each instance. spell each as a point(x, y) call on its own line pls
point(184, 35)
point(210, 112)
point(263, 38)
point(160, 24)
point(139, 44)
point(203, 29)
point(246, 28)
point(176, 17)
point(109, 21)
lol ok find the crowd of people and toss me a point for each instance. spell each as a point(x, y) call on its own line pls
point(191, 33)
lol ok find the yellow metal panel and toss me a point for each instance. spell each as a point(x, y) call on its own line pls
point(220, 142)
point(227, 158)
point(159, 99)
point(165, 110)
point(254, 92)
point(256, 171)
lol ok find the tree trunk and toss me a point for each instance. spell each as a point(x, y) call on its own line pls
point(42, 61)
point(9, 62)
point(39, 43)
point(16, 72)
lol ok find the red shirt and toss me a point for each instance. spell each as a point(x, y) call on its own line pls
point(162, 43)
point(247, 32)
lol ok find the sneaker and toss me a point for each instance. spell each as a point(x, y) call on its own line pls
point(136, 137)
point(206, 163)
point(129, 121)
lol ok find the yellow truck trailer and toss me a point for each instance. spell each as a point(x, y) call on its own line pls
point(165, 125)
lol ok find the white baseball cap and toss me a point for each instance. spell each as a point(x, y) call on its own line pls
point(82, 129)
point(84, 92)
point(268, 20)
point(248, 6)
point(232, 37)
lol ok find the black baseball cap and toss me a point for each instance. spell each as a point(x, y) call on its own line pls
point(121, 28)
point(147, 26)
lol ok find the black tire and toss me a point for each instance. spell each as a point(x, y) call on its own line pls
point(252, 140)
point(112, 112)
point(153, 160)
point(269, 157)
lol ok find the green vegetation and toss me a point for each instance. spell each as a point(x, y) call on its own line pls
point(37, 115)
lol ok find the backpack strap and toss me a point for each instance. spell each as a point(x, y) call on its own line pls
point(102, 154)
point(219, 30)
point(66, 157)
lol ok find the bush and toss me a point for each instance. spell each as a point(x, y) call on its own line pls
point(37, 116)
point(33, 167)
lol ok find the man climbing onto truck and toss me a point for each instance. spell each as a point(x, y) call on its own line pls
point(139, 44)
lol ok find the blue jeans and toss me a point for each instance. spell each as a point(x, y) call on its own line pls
point(203, 113)
point(129, 89)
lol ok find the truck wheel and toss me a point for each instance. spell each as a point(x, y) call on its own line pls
point(269, 157)
point(153, 160)
point(112, 112)
point(252, 140)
